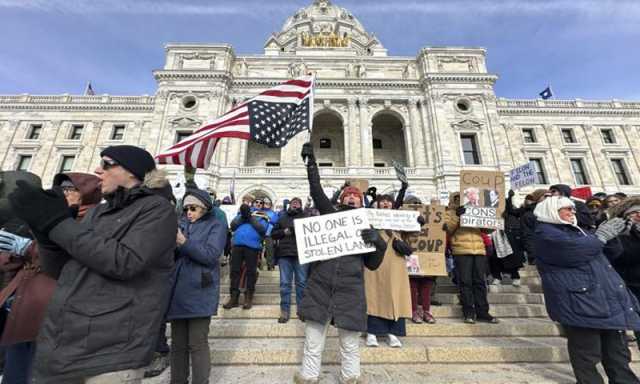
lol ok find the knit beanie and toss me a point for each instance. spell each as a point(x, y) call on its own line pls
point(633, 208)
point(350, 190)
point(135, 160)
point(192, 200)
point(537, 194)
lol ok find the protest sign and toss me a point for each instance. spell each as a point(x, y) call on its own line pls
point(394, 220)
point(428, 245)
point(401, 174)
point(582, 193)
point(482, 194)
point(523, 176)
point(329, 236)
point(361, 184)
point(231, 211)
point(444, 198)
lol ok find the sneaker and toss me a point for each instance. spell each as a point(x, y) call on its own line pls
point(428, 318)
point(352, 380)
point(516, 282)
point(394, 342)
point(488, 319)
point(469, 320)
point(372, 340)
point(298, 379)
point(495, 281)
point(416, 318)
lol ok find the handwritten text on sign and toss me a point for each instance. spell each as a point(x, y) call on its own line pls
point(428, 245)
point(523, 176)
point(394, 219)
point(329, 236)
point(482, 194)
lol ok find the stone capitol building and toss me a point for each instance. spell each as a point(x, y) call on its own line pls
point(435, 112)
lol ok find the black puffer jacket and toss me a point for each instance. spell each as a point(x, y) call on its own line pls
point(335, 288)
point(112, 271)
point(287, 246)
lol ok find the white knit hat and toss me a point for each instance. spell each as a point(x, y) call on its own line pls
point(192, 200)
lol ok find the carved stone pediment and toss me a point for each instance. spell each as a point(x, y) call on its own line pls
point(185, 122)
point(467, 125)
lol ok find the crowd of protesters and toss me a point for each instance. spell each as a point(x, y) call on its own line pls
point(95, 267)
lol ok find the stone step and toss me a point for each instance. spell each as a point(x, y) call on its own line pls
point(442, 288)
point(416, 350)
point(261, 328)
point(444, 311)
point(516, 373)
point(445, 298)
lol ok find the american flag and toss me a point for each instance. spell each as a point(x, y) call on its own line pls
point(271, 118)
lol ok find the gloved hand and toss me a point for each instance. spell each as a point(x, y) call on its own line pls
point(14, 244)
point(370, 235)
point(511, 193)
point(307, 154)
point(372, 191)
point(610, 229)
point(41, 209)
point(461, 211)
point(422, 220)
point(404, 185)
point(245, 211)
point(402, 248)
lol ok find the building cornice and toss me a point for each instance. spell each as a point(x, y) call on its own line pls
point(469, 78)
point(104, 103)
point(509, 107)
point(333, 83)
point(163, 75)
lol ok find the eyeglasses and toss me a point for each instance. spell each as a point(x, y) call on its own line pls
point(108, 164)
point(66, 190)
point(191, 208)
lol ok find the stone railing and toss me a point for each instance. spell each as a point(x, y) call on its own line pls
point(365, 172)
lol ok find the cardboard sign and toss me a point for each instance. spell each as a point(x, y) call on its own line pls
point(429, 244)
point(394, 220)
point(401, 174)
point(326, 237)
point(361, 184)
point(482, 194)
point(523, 176)
point(230, 210)
point(583, 193)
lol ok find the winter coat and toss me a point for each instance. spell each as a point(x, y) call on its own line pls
point(287, 246)
point(628, 264)
point(335, 288)
point(387, 288)
point(528, 223)
point(581, 288)
point(463, 241)
point(112, 271)
point(196, 278)
point(249, 233)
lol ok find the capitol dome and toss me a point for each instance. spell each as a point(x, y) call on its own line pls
point(324, 26)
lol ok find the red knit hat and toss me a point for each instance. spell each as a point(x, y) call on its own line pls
point(350, 190)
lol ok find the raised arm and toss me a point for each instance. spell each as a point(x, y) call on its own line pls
point(400, 198)
point(321, 201)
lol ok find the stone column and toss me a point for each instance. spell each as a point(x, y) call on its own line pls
point(420, 155)
point(11, 126)
point(352, 130)
point(553, 139)
point(90, 151)
point(45, 166)
point(366, 142)
point(600, 160)
point(633, 143)
point(408, 141)
point(431, 142)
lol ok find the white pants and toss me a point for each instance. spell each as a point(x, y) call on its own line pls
point(315, 336)
point(130, 376)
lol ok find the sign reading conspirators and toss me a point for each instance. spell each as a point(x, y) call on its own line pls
point(329, 236)
point(429, 243)
point(393, 219)
point(523, 176)
point(482, 194)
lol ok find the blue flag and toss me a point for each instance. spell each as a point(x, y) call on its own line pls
point(546, 94)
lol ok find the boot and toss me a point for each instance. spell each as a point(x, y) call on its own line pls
point(233, 301)
point(248, 300)
point(284, 317)
point(298, 379)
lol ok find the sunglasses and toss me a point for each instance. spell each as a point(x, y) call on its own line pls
point(191, 208)
point(108, 164)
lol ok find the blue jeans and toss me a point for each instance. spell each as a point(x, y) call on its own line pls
point(290, 267)
point(17, 364)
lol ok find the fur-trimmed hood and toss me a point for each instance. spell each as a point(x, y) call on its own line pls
point(618, 211)
point(155, 179)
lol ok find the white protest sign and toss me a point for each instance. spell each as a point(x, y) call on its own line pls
point(401, 174)
point(444, 198)
point(393, 219)
point(481, 217)
point(329, 236)
point(231, 211)
point(523, 176)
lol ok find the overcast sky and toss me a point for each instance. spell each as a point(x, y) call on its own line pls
point(585, 49)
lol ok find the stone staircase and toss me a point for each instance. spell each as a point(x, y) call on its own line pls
point(249, 346)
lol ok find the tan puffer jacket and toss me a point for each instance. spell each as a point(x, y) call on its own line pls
point(464, 241)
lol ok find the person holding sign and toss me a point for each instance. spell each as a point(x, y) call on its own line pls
point(469, 254)
point(334, 293)
point(387, 288)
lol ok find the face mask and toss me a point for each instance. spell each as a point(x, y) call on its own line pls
point(294, 211)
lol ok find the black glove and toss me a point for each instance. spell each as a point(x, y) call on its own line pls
point(245, 211)
point(372, 191)
point(461, 211)
point(307, 154)
point(370, 236)
point(402, 248)
point(41, 209)
point(404, 185)
point(511, 193)
point(422, 220)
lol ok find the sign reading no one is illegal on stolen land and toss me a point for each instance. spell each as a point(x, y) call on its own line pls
point(329, 236)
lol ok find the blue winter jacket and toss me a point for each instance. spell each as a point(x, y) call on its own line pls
point(249, 233)
point(581, 288)
point(196, 278)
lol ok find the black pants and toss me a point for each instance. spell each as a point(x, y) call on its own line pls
point(497, 269)
point(471, 272)
point(636, 292)
point(587, 347)
point(250, 258)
